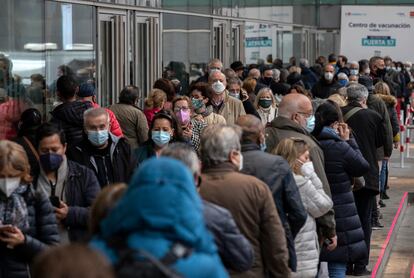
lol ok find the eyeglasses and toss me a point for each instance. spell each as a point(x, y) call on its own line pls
point(184, 109)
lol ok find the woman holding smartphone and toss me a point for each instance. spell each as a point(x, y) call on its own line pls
point(27, 222)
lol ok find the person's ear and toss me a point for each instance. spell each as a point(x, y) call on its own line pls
point(65, 147)
point(234, 158)
point(172, 132)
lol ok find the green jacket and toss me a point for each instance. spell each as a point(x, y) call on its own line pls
point(281, 128)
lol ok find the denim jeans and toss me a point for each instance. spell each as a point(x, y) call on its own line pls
point(337, 270)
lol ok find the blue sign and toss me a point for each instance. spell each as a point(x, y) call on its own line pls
point(259, 42)
point(384, 41)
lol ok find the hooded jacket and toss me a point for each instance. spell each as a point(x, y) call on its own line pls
point(69, 117)
point(161, 207)
point(276, 173)
point(250, 202)
point(123, 161)
point(317, 203)
point(343, 160)
point(282, 128)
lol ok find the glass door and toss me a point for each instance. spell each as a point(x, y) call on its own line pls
point(237, 51)
point(221, 41)
point(112, 73)
point(145, 46)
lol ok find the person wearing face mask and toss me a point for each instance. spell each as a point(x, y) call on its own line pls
point(200, 94)
point(70, 186)
point(343, 159)
point(342, 79)
point(327, 85)
point(229, 107)
point(265, 104)
point(247, 198)
point(380, 73)
point(191, 127)
point(27, 223)
point(234, 87)
point(369, 132)
point(295, 119)
point(276, 173)
point(314, 198)
point(163, 130)
point(353, 68)
point(214, 64)
point(108, 156)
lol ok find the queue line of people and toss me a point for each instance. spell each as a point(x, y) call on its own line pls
point(278, 177)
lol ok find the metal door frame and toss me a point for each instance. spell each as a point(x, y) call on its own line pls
point(240, 40)
point(224, 36)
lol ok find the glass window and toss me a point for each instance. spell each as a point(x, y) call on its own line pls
point(186, 47)
point(70, 32)
point(260, 43)
point(22, 62)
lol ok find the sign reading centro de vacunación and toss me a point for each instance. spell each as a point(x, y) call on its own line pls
point(368, 31)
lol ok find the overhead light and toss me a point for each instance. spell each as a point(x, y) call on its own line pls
point(79, 46)
point(40, 46)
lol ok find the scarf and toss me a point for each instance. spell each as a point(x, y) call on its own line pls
point(205, 111)
point(13, 210)
point(43, 184)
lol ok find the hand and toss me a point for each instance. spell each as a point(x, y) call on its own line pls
point(344, 131)
point(396, 145)
point(188, 132)
point(332, 246)
point(386, 158)
point(62, 211)
point(12, 237)
point(297, 165)
point(244, 96)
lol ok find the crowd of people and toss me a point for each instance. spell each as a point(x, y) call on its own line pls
point(257, 171)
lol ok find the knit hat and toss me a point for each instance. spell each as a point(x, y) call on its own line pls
point(86, 90)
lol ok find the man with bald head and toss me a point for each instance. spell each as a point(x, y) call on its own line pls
point(276, 173)
point(296, 119)
point(229, 107)
point(327, 85)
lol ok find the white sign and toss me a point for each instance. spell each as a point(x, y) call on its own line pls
point(368, 31)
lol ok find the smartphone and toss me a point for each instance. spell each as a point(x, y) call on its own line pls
point(55, 201)
point(327, 242)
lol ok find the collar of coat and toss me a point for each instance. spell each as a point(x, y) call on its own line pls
point(225, 167)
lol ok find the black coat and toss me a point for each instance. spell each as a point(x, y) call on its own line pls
point(323, 90)
point(249, 108)
point(368, 130)
point(275, 172)
point(81, 189)
point(123, 162)
point(34, 163)
point(280, 88)
point(343, 160)
point(234, 249)
point(42, 231)
point(69, 117)
point(309, 78)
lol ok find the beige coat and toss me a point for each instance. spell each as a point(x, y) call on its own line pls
point(251, 203)
point(133, 123)
point(231, 109)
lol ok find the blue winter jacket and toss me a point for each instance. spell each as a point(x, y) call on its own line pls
point(343, 161)
point(161, 207)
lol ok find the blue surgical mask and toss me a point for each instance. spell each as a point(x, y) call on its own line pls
point(310, 123)
point(99, 137)
point(234, 94)
point(160, 138)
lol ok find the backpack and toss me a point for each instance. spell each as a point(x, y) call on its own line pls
point(128, 266)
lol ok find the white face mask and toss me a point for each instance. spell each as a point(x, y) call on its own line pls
point(9, 185)
point(218, 87)
point(329, 76)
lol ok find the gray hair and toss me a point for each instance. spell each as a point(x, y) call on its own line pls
point(354, 63)
point(184, 153)
point(342, 75)
point(214, 71)
point(95, 112)
point(234, 80)
point(276, 75)
point(304, 63)
point(215, 61)
point(217, 142)
point(357, 92)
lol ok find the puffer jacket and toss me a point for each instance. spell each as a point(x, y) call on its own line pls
point(391, 102)
point(343, 160)
point(115, 128)
point(317, 203)
point(162, 207)
point(234, 249)
point(69, 117)
point(42, 231)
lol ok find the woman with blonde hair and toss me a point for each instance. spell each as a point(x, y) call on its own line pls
point(314, 199)
point(154, 103)
point(27, 222)
point(266, 106)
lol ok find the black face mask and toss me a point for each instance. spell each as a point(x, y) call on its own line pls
point(267, 80)
point(381, 72)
